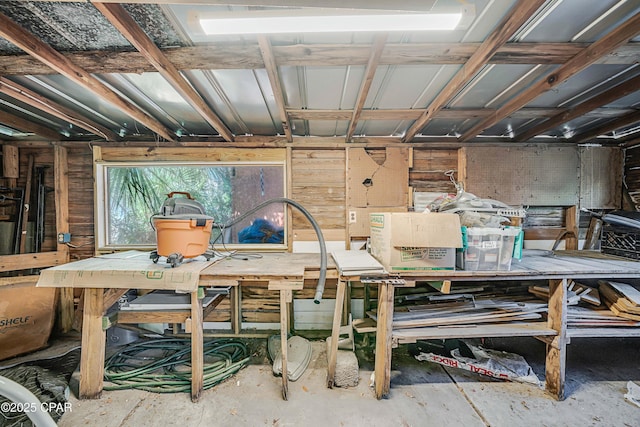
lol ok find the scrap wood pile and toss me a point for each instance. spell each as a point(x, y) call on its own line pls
point(610, 304)
point(469, 306)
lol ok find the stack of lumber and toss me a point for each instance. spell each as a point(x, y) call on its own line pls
point(622, 299)
point(474, 311)
point(590, 317)
point(576, 293)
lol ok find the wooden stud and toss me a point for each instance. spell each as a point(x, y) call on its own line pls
point(571, 224)
point(27, 205)
point(285, 295)
point(61, 189)
point(10, 162)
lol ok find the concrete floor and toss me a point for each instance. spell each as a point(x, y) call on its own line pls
point(422, 394)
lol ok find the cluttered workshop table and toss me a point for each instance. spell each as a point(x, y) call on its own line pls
point(105, 278)
point(558, 268)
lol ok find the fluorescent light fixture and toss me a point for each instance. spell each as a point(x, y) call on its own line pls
point(303, 21)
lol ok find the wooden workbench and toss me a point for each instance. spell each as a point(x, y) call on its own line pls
point(105, 278)
point(557, 269)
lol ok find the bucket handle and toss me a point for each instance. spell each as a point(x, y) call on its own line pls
point(198, 222)
point(170, 195)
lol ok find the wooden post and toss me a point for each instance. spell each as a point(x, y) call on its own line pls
point(93, 345)
point(384, 334)
point(236, 312)
point(335, 333)
point(557, 349)
point(61, 188)
point(197, 347)
point(10, 164)
point(26, 206)
point(286, 297)
point(571, 223)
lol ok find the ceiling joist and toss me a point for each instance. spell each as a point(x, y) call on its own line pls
point(517, 16)
point(39, 102)
point(619, 91)
point(248, 56)
point(16, 122)
point(274, 80)
point(61, 64)
point(369, 73)
point(120, 19)
point(586, 57)
point(610, 126)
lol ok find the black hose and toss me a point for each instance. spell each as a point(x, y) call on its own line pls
point(316, 227)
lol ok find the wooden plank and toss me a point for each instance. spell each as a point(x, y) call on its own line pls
point(474, 331)
point(153, 316)
point(25, 125)
point(571, 223)
point(217, 154)
point(10, 162)
point(285, 297)
point(93, 346)
point(18, 281)
point(28, 261)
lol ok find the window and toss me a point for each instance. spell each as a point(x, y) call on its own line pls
point(131, 192)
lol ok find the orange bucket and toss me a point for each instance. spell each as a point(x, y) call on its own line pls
point(187, 234)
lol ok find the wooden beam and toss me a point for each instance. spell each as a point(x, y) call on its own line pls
point(619, 91)
point(10, 162)
point(25, 125)
point(626, 120)
point(124, 23)
point(29, 261)
point(35, 100)
point(412, 114)
point(369, 73)
point(61, 64)
point(61, 190)
point(243, 56)
point(517, 16)
point(586, 57)
point(276, 87)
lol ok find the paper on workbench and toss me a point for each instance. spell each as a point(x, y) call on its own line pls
point(354, 263)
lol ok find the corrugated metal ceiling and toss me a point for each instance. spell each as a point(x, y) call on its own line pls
point(321, 76)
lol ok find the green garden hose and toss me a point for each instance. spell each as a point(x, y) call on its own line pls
point(164, 365)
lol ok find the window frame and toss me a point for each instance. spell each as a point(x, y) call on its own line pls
point(105, 158)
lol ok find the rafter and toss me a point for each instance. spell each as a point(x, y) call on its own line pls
point(610, 126)
point(369, 73)
point(623, 89)
point(276, 87)
point(35, 100)
point(579, 62)
point(247, 56)
point(517, 16)
point(16, 122)
point(61, 64)
point(120, 19)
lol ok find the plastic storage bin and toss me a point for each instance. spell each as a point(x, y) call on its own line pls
point(488, 248)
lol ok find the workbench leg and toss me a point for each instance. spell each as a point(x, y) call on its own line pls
point(93, 345)
point(197, 348)
point(286, 296)
point(335, 333)
point(384, 334)
point(555, 365)
point(236, 315)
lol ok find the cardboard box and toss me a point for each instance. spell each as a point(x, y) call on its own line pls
point(26, 319)
point(415, 241)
